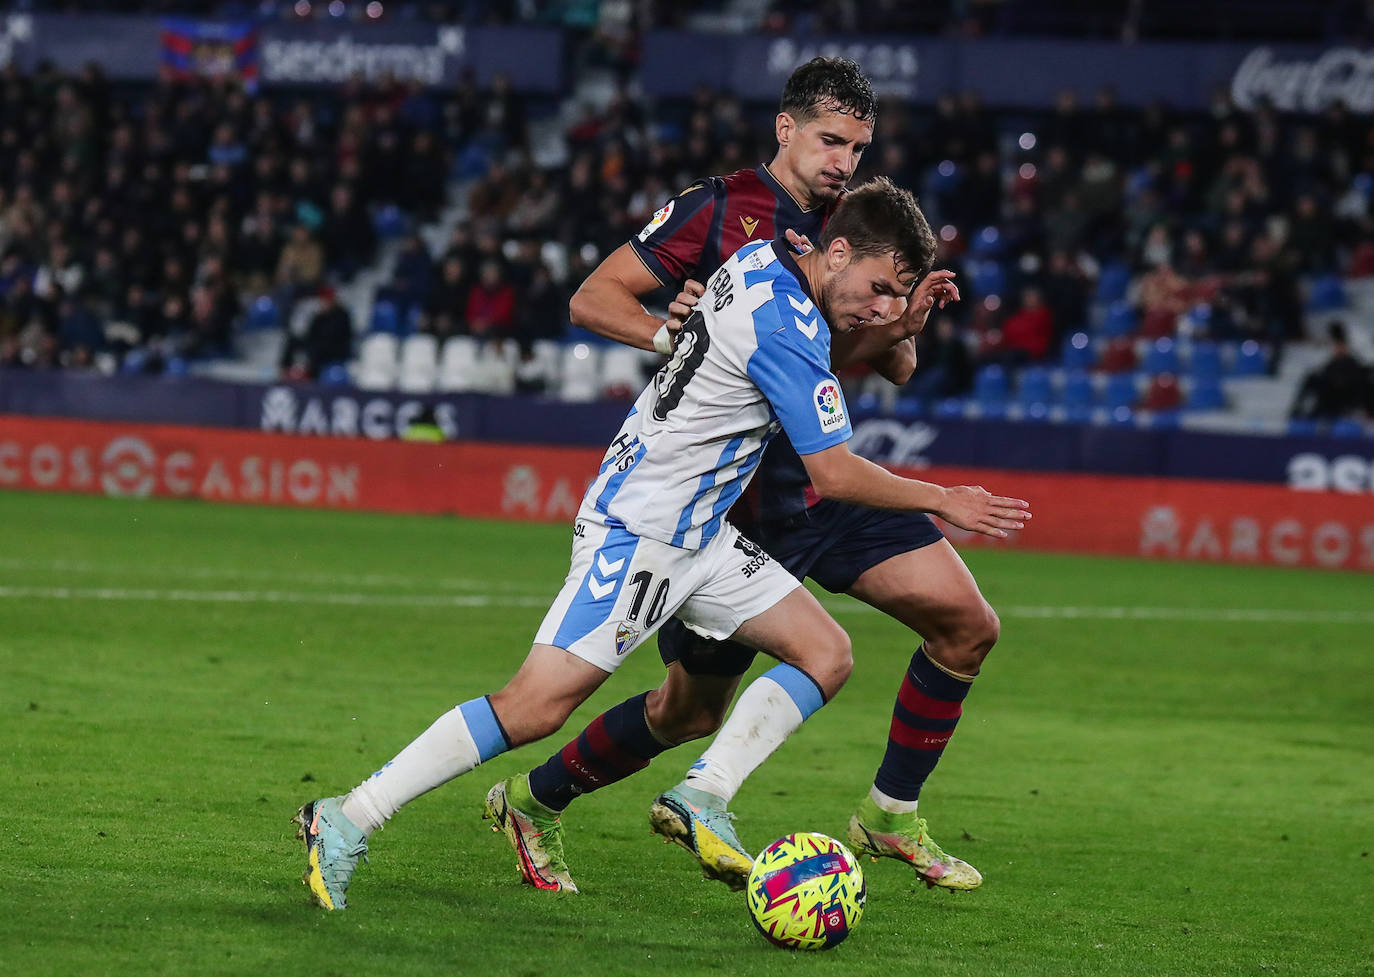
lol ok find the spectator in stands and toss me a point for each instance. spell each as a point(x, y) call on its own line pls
point(491, 304)
point(412, 280)
point(328, 340)
point(1027, 332)
point(300, 268)
point(445, 312)
point(350, 241)
point(1342, 387)
point(541, 312)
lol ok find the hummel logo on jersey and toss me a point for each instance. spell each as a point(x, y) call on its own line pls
point(749, 224)
point(805, 307)
point(602, 587)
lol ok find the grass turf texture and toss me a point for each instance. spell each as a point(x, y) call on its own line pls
point(1144, 796)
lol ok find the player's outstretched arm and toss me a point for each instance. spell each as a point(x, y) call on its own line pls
point(837, 473)
point(607, 303)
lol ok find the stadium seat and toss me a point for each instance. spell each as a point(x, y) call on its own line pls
point(581, 373)
point(262, 313)
point(496, 364)
point(1034, 387)
point(386, 317)
point(377, 361)
point(622, 374)
point(1250, 360)
point(1168, 420)
point(1112, 282)
point(176, 367)
point(1162, 357)
point(389, 222)
point(1302, 427)
point(1205, 393)
point(1327, 294)
point(1120, 391)
point(1119, 356)
point(1204, 360)
point(458, 369)
point(1346, 428)
point(1078, 391)
point(950, 409)
point(419, 369)
point(1119, 321)
point(1078, 352)
point(986, 278)
point(1163, 393)
point(987, 243)
point(335, 375)
point(990, 387)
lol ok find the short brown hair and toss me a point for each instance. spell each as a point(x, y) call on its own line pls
point(828, 85)
point(879, 217)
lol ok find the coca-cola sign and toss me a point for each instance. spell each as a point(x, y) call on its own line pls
point(1343, 74)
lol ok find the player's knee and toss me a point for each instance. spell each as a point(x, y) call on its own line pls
point(965, 647)
point(832, 663)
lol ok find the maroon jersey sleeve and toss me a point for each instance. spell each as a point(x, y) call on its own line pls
point(672, 242)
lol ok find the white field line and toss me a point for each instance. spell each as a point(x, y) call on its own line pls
point(235, 573)
point(841, 607)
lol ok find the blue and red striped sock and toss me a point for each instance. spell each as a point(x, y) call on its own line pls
point(927, 710)
point(618, 743)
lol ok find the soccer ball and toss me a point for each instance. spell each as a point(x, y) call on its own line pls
point(806, 892)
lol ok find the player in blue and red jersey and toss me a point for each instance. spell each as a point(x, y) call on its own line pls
point(897, 562)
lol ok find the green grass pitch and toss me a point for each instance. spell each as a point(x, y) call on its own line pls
point(1165, 769)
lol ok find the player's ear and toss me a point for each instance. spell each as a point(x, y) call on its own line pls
point(838, 254)
point(783, 127)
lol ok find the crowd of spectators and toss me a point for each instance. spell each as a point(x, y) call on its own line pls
point(134, 223)
point(138, 222)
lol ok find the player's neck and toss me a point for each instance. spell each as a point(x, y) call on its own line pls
point(795, 188)
point(812, 265)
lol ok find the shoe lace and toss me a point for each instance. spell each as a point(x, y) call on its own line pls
point(550, 839)
point(920, 831)
point(339, 866)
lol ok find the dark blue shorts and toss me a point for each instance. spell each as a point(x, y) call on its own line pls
point(833, 543)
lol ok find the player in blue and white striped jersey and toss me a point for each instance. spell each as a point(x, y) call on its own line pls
point(651, 541)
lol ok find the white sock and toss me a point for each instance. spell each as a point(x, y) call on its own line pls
point(768, 712)
point(891, 804)
point(457, 741)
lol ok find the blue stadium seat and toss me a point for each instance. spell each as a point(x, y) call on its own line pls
point(1204, 360)
point(1078, 352)
point(262, 314)
point(951, 408)
point(1205, 393)
point(1121, 416)
point(1120, 391)
point(1327, 294)
point(986, 278)
point(1112, 282)
point(176, 367)
point(990, 387)
point(1250, 360)
point(1120, 320)
point(1165, 420)
point(386, 317)
point(987, 243)
point(335, 375)
point(1301, 427)
point(1162, 357)
point(1346, 428)
point(1034, 387)
point(389, 222)
point(1078, 390)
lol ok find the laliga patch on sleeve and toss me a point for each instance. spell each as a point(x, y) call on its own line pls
point(660, 216)
point(829, 406)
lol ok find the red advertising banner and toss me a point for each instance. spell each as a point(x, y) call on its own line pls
point(1125, 516)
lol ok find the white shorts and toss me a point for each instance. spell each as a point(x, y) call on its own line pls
point(622, 587)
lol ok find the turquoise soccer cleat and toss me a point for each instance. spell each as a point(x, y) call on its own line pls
point(699, 823)
point(333, 845)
